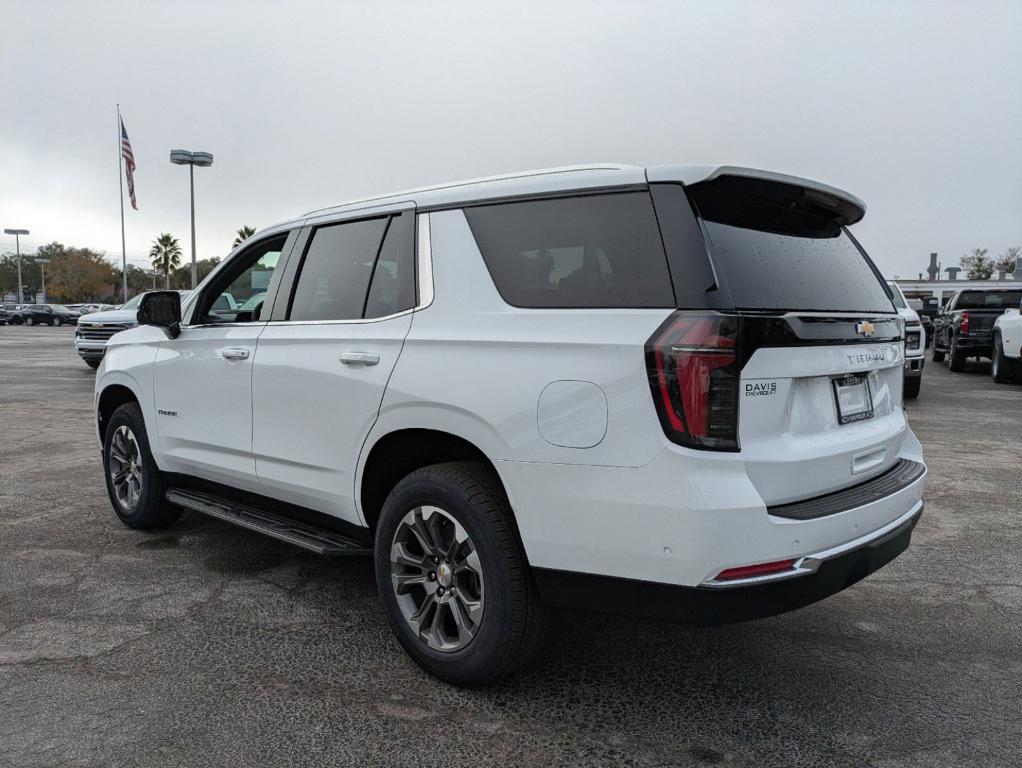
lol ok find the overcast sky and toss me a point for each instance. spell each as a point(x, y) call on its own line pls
point(914, 107)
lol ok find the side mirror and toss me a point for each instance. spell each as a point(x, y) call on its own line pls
point(162, 309)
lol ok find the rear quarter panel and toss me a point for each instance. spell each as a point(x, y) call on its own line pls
point(474, 366)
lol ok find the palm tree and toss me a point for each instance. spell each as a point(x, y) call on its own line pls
point(165, 254)
point(243, 234)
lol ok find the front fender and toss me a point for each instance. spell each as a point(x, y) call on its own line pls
point(130, 362)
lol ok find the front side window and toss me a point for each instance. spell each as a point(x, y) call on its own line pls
point(595, 251)
point(246, 277)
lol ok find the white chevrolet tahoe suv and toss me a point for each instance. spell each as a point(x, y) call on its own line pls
point(672, 392)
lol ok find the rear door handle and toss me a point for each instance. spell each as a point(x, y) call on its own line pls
point(360, 358)
point(234, 353)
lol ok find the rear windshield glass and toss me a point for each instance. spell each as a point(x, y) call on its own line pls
point(579, 252)
point(776, 249)
point(989, 300)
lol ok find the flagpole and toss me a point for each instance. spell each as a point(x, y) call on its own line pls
point(120, 188)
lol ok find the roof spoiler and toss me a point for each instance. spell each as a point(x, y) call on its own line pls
point(844, 207)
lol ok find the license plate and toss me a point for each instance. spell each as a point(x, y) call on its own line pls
point(853, 398)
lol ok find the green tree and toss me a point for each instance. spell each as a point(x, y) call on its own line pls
point(76, 274)
point(1006, 260)
point(181, 278)
point(9, 273)
point(977, 265)
point(243, 234)
point(165, 255)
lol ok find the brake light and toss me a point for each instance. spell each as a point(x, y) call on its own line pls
point(964, 327)
point(692, 362)
point(760, 569)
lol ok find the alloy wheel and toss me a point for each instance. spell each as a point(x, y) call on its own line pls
point(437, 578)
point(126, 467)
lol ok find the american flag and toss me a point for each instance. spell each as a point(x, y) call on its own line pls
point(129, 164)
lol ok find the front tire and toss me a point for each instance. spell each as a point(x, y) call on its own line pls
point(133, 482)
point(453, 576)
point(911, 388)
point(93, 364)
point(57, 322)
point(937, 355)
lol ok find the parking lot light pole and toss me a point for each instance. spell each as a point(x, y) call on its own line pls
point(17, 245)
point(42, 272)
point(192, 159)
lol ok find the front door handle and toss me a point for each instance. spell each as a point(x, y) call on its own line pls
point(234, 353)
point(360, 358)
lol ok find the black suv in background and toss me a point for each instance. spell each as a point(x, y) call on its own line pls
point(964, 328)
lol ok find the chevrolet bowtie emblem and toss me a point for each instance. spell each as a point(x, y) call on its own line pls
point(864, 328)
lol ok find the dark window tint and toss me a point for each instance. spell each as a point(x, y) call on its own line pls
point(335, 273)
point(593, 251)
point(393, 286)
point(989, 300)
point(778, 246)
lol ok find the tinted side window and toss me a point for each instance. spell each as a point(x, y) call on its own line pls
point(592, 251)
point(334, 276)
point(393, 286)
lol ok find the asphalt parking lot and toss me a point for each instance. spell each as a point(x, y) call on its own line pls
point(208, 645)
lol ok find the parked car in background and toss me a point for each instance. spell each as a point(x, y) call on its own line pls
point(46, 314)
point(1006, 360)
point(924, 317)
point(5, 314)
point(915, 342)
point(964, 328)
point(94, 329)
point(88, 309)
point(12, 313)
point(568, 388)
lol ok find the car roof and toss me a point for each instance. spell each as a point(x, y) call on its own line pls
point(564, 179)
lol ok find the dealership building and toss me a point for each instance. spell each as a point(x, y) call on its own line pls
point(929, 283)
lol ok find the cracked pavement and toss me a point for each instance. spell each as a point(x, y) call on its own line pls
point(206, 645)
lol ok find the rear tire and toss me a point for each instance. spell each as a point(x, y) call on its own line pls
point(431, 592)
point(133, 482)
point(1004, 370)
point(93, 364)
point(956, 362)
point(30, 320)
point(57, 322)
point(937, 355)
point(911, 389)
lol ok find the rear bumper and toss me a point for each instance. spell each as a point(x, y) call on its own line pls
point(975, 346)
point(685, 517)
point(711, 605)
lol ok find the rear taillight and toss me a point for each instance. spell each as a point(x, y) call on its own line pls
point(964, 327)
point(692, 361)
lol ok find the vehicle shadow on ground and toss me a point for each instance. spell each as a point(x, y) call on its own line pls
point(691, 688)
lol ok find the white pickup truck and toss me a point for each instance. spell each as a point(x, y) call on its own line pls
point(1006, 360)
